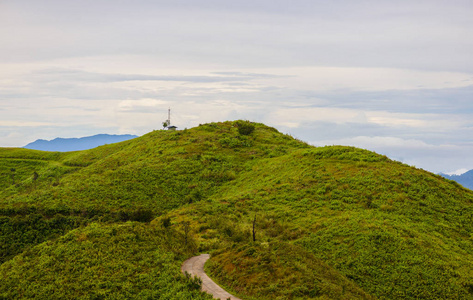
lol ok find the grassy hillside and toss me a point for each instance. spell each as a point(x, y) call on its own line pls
point(331, 222)
point(119, 261)
point(398, 232)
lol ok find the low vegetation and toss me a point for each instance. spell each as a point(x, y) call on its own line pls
point(117, 261)
point(278, 270)
point(330, 222)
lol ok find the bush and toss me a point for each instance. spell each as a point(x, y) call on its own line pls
point(245, 127)
point(139, 215)
point(166, 222)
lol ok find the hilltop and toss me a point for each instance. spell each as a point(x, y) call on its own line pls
point(76, 144)
point(330, 222)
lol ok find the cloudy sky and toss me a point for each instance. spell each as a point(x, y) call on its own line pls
point(395, 77)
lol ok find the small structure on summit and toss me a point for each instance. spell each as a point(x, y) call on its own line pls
point(167, 124)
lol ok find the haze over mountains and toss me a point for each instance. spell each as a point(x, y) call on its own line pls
point(77, 144)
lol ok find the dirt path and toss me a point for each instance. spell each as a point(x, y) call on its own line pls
point(195, 267)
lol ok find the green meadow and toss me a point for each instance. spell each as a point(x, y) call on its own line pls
point(281, 219)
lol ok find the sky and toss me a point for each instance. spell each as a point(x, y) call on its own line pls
point(394, 77)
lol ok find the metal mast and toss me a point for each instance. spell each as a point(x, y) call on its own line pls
point(169, 117)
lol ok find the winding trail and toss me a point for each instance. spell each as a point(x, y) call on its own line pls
point(195, 267)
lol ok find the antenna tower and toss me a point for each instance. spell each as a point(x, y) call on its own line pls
point(169, 117)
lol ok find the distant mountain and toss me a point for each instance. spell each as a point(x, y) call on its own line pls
point(75, 144)
point(465, 179)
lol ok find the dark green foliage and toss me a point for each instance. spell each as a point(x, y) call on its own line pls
point(20, 232)
point(166, 222)
point(254, 229)
point(139, 215)
point(245, 127)
point(12, 175)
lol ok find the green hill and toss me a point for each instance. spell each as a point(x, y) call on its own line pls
point(330, 222)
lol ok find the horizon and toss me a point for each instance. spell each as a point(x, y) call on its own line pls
point(456, 172)
point(395, 78)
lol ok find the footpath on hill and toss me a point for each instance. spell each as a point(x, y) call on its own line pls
point(195, 267)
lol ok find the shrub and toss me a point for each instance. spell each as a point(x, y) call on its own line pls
point(139, 215)
point(245, 127)
point(166, 222)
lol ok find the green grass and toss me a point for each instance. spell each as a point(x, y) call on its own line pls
point(331, 222)
point(398, 232)
point(118, 261)
point(277, 270)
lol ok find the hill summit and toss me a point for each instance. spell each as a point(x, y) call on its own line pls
point(280, 218)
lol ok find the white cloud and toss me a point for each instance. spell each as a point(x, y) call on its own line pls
point(142, 105)
point(428, 122)
point(368, 79)
point(6, 123)
point(394, 75)
point(458, 172)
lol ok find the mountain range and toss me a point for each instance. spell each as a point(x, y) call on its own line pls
point(77, 144)
point(465, 179)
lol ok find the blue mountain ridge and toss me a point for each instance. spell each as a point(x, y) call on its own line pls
point(465, 179)
point(75, 144)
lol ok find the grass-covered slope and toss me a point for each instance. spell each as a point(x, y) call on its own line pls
point(161, 170)
point(21, 225)
point(118, 261)
point(396, 231)
point(278, 270)
point(331, 222)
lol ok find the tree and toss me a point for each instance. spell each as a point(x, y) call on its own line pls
point(13, 175)
point(35, 177)
point(187, 229)
point(254, 232)
point(165, 124)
